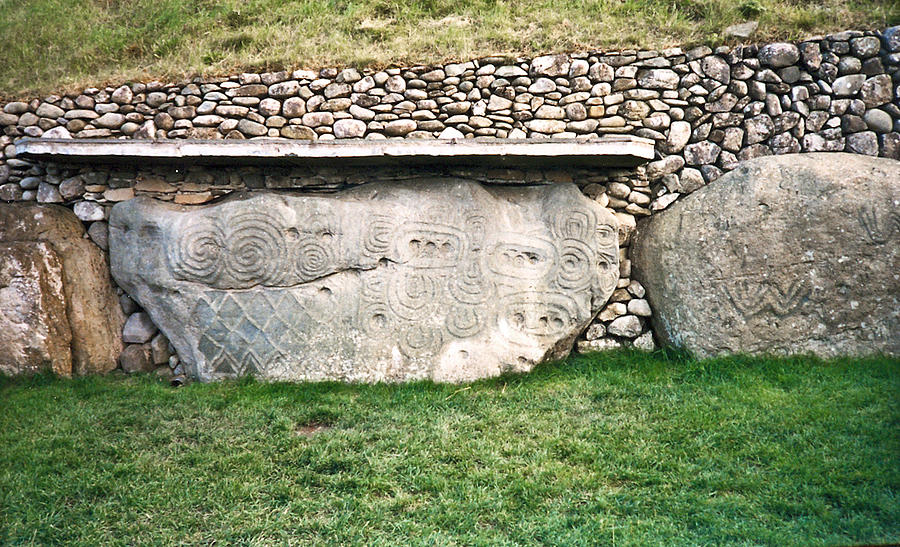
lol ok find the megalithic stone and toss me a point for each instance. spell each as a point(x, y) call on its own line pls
point(438, 279)
point(795, 253)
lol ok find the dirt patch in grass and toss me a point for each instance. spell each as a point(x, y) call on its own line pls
point(311, 429)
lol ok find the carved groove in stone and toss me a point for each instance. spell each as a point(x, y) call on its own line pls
point(879, 232)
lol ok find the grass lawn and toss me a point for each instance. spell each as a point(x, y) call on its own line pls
point(617, 448)
point(52, 45)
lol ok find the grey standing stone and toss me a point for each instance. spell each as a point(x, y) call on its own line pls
point(736, 267)
point(34, 333)
point(444, 280)
point(82, 284)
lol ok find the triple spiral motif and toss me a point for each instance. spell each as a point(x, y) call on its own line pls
point(247, 249)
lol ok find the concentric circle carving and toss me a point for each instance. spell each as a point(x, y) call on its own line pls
point(198, 253)
point(256, 249)
point(576, 261)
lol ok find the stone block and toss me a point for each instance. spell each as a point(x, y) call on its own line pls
point(441, 279)
point(736, 267)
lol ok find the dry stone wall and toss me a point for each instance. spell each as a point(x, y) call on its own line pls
point(706, 109)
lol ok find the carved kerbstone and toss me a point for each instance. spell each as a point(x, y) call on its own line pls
point(440, 279)
point(786, 254)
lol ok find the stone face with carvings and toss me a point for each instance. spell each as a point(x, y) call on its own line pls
point(438, 279)
point(785, 254)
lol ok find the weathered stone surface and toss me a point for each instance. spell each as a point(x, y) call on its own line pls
point(550, 65)
point(661, 78)
point(91, 306)
point(779, 55)
point(736, 267)
point(34, 333)
point(136, 358)
point(138, 329)
point(447, 280)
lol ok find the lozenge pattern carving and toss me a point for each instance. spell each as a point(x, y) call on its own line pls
point(320, 287)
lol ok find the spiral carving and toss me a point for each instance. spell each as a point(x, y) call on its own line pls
point(313, 259)
point(256, 249)
point(575, 224)
point(198, 253)
point(575, 264)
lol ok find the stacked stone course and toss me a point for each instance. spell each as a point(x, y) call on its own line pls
point(706, 109)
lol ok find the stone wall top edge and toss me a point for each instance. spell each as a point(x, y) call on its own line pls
point(604, 151)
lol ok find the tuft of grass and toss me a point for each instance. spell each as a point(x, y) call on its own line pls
point(617, 448)
point(53, 45)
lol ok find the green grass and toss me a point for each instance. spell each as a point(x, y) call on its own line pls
point(51, 45)
point(618, 448)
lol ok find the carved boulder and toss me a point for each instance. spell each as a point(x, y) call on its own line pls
point(438, 279)
point(785, 254)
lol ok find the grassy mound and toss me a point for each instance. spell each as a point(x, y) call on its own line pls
point(49, 45)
